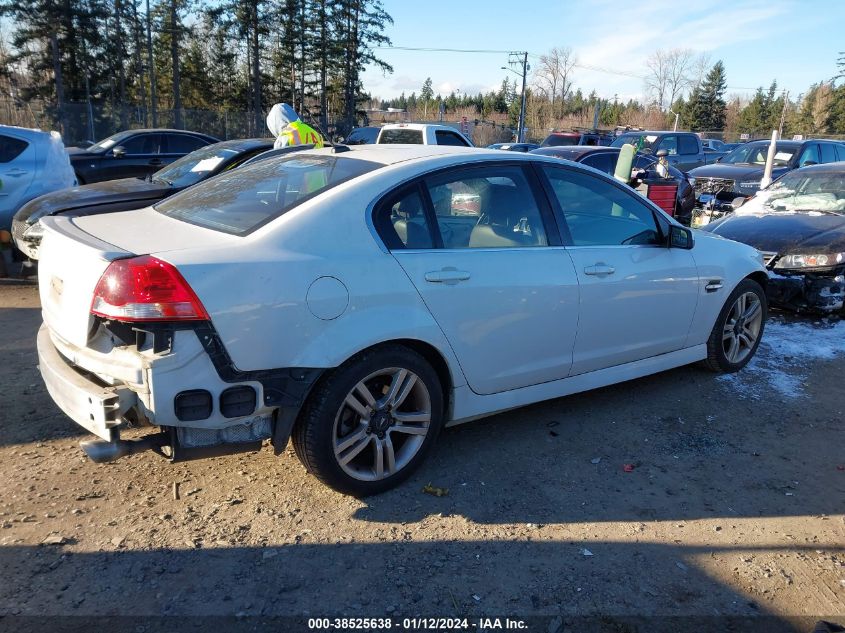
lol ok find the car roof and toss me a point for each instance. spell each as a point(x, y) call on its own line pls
point(833, 168)
point(574, 150)
point(391, 154)
point(28, 132)
point(418, 126)
point(243, 143)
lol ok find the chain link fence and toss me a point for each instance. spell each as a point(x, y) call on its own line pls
point(80, 122)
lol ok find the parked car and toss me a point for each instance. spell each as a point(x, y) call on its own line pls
point(712, 145)
point(421, 134)
point(561, 139)
point(798, 224)
point(134, 153)
point(684, 149)
point(362, 136)
point(32, 162)
point(514, 147)
point(738, 174)
point(227, 314)
point(604, 159)
point(131, 193)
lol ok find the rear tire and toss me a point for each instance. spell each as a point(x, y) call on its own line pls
point(371, 422)
point(738, 329)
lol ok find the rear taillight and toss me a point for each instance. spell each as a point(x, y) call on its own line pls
point(145, 289)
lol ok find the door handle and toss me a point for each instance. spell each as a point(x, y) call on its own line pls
point(599, 269)
point(16, 172)
point(446, 276)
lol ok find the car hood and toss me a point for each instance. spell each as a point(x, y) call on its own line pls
point(785, 233)
point(107, 192)
point(735, 172)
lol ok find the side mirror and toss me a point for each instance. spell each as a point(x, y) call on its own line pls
point(736, 203)
point(118, 151)
point(719, 159)
point(808, 163)
point(680, 237)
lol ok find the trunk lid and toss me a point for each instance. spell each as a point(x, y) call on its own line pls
point(75, 252)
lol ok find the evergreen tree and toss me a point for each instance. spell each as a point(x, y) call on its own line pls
point(706, 107)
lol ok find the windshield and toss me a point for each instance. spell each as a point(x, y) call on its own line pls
point(106, 143)
point(641, 142)
point(796, 191)
point(755, 154)
point(240, 201)
point(195, 166)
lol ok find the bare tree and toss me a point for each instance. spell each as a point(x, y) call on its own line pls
point(668, 75)
point(701, 65)
point(554, 75)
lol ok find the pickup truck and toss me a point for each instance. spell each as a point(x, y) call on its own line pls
point(685, 150)
point(422, 134)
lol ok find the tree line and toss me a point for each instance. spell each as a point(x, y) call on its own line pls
point(136, 58)
point(677, 83)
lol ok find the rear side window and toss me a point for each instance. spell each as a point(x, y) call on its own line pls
point(400, 136)
point(603, 161)
point(687, 145)
point(242, 200)
point(402, 223)
point(449, 138)
point(181, 144)
point(11, 148)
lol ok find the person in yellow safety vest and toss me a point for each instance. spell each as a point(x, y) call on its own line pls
point(288, 128)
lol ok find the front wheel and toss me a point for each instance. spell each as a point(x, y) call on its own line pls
point(369, 424)
point(739, 328)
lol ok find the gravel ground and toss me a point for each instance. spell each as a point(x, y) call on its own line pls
point(734, 507)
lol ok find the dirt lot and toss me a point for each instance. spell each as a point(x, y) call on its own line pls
point(735, 506)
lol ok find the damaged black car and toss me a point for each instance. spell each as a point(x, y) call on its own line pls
point(798, 224)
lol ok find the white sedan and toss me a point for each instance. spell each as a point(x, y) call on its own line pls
point(356, 301)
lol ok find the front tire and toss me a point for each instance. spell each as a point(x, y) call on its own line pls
point(370, 423)
point(738, 329)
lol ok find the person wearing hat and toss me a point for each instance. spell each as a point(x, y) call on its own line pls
point(289, 129)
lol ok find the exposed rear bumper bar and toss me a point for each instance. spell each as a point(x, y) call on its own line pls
point(97, 408)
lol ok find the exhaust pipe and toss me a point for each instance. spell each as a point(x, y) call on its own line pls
point(101, 451)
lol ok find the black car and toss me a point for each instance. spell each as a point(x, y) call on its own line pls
point(604, 159)
point(362, 136)
point(133, 154)
point(738, 173)
point(798, 224)
point(132, 193)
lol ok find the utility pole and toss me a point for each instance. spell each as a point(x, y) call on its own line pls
point(515, 59)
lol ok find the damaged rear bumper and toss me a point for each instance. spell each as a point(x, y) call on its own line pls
point(807, 291)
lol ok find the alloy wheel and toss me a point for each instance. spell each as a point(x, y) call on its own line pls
point(742, 327)
point(381, 424)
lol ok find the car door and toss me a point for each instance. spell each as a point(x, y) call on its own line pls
point(17, 169)
point(482, 249)
point(638, 297)
point(174, 146)
point(141, 158)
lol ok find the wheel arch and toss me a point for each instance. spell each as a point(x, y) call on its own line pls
point(760, 277)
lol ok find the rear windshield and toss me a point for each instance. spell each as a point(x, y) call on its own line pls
point(394, 137)
point(559, 140)
point(241, 200)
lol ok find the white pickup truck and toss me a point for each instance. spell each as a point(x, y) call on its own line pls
point(422, 134)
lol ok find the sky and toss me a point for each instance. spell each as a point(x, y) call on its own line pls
point(795, 42)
